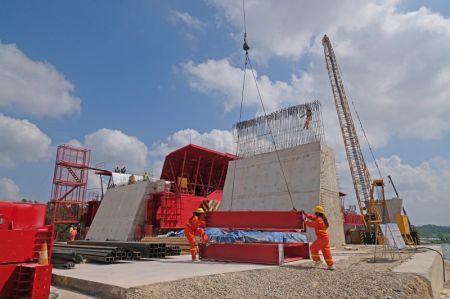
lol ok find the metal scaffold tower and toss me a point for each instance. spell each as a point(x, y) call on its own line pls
point(69, 184)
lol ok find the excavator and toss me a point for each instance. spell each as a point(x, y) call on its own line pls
point(369, 193)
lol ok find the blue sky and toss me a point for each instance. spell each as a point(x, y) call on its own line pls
point(140, 74)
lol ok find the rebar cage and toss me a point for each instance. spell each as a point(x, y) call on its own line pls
point(282, 129)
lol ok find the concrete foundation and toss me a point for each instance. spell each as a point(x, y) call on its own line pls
point(310, 171)
point(427, 264)
point(122, 208)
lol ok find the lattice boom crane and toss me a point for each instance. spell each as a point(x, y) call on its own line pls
point(358, 168)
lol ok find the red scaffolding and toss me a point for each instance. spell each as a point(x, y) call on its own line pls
point(69, 184)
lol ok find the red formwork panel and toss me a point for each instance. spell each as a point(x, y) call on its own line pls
point(257, 253)
point(23, 245)
point(257, 220)
point(15, 215)
point(29, 280)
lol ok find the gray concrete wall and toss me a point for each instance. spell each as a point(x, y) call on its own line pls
point(121, 209)
point(310, 171)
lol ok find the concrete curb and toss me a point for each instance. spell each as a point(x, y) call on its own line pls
point(427, 264)
point(90, 288)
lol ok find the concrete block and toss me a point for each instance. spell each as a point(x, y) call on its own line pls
point(427, 264)
point(310, 170)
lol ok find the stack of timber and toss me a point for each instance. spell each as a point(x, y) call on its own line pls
point(181, 242)
point(98, 253)
point(147, 250)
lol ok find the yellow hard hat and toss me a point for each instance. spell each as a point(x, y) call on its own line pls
point(319, 209)
point(199, 210)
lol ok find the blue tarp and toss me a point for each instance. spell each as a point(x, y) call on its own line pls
point(218, 235)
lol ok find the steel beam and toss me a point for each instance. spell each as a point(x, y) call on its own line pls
point(258, 253)
point(256, 220)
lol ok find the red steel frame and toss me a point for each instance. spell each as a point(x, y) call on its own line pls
point(205, 171)
point(257, 220)
point(260, 253)
point(22, 232)
point(69, 184)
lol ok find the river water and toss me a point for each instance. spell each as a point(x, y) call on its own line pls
point(446, 251)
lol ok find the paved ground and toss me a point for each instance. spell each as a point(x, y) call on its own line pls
point(144, 272)
point(177, 277)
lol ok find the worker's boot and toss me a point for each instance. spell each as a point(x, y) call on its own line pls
point(332, 268)
point(317, 264)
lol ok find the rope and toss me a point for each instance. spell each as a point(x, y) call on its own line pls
point(240, 118)
point(248, 61)
point(271, 133)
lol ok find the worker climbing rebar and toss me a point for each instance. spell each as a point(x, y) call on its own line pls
point(194, 227)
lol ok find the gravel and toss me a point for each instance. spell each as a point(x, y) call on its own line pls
point(351, 279)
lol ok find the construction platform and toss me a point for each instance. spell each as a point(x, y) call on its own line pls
point(117, 280)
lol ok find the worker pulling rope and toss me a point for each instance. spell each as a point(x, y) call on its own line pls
point(247, 61)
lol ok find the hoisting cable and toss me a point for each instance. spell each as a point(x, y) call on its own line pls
point(246, 47)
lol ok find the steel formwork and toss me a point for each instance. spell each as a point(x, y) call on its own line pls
point(259, 253)
point(257, 220)
point(69, 184)
point(196, 176)
point(22, 233)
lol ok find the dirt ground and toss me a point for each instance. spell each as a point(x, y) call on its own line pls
point(353, 278)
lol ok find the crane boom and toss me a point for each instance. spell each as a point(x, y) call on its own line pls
point(358, 168)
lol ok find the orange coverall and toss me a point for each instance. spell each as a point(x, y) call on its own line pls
point(73, 234)
point(194, 228)
point(322, 242)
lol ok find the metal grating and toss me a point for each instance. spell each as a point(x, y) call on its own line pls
point(282, 129)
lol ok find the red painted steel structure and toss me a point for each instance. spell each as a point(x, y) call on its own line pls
point(257, 253)
point(22, 232)
point(257, 220)
point(69, 184)
point(353, 219)
point(260, 253)
point(195, 174)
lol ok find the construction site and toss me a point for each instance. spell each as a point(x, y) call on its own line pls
point(255, 240)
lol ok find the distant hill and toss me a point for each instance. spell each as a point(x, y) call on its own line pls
point(434, 231)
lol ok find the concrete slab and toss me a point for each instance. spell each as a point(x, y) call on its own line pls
point(427, 264)
point(112, 280)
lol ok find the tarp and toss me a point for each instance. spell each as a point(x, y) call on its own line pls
point(218, 235)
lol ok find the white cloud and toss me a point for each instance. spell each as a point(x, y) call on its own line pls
point(34, 87)
point(224, 81)
point(21, 141)
point(9, 190)
point(186, 19)
point(422, 187)
point(219, 140)
point(114, 148)
point(396, 64)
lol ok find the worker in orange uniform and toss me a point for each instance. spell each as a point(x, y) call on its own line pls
point(73, 234)
point(194, 227)
point(322, 243)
